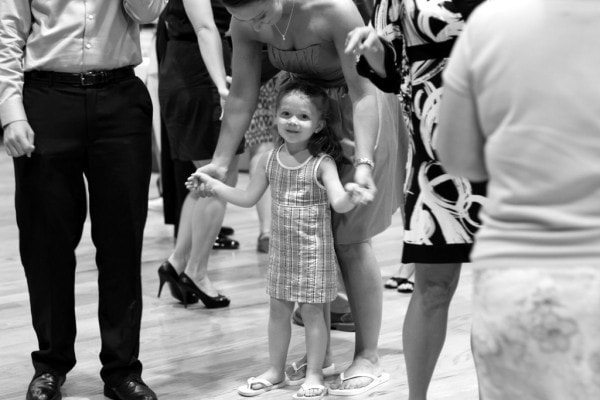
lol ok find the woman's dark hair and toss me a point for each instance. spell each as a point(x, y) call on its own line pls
point(323, 141)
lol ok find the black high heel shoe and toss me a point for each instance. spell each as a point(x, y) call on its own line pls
point(188, 286)
point(167, 274)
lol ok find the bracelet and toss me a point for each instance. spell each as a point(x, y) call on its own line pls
point(364, 160)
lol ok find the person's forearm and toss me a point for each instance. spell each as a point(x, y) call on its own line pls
point(236, 120)
point(233, 195)
point(211, 50)
point(366, 126)
point(144, 11)
point(343, 204)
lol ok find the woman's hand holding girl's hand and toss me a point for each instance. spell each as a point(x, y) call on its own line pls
point(363, 176)
point(358, 194)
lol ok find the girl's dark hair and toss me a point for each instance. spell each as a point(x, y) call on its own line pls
point(323, 141)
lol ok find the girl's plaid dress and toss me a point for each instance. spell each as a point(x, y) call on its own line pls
point(302, 261)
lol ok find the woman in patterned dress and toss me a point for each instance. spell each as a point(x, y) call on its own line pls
point(304, 180)
point(405, 51)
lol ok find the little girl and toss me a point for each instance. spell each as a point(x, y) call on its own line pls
point(302, 264)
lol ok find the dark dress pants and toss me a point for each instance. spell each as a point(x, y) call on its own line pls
point(102, 133)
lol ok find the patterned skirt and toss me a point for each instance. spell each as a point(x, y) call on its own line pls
point(261, 126)
point(535, 332)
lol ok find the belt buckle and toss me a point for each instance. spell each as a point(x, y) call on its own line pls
point(90, 78)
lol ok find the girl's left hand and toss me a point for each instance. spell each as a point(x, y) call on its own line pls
point(192, 183)
point(358, 195)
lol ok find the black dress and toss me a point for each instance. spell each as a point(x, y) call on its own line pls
point(189, 100)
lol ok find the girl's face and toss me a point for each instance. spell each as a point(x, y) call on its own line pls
point(259, 13)
point(298, 118)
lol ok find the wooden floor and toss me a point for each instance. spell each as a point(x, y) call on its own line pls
point(197, 353)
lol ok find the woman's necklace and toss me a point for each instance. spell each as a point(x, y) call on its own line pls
point(288, 24)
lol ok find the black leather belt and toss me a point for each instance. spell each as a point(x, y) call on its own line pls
point(91, 78)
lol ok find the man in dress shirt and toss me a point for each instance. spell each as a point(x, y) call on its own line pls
point(71, 106)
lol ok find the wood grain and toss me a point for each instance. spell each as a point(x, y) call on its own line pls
point(195, 353)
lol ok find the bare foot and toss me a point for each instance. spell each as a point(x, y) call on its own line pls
point(311, 390)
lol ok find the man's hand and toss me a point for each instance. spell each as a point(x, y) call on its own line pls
point(18, 139)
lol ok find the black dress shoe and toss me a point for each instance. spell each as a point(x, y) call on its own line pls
point(225, 243)
point(133, 388)
point(45, 387)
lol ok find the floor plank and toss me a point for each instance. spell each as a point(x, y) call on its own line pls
point(197, 353)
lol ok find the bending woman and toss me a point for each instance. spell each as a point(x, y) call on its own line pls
point(303, 42)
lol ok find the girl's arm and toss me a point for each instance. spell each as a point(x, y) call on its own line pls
point(211, 49)
point(342, 199)
point(243, 198)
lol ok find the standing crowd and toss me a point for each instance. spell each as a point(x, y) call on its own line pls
point(478, 120)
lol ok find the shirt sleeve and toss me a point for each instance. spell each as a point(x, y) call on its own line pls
point(144, 11)
point(15, 24)
point(457, 74)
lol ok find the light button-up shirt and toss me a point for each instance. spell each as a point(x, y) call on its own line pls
point(66, 36)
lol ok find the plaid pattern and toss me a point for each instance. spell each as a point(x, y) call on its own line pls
point(302, 261)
